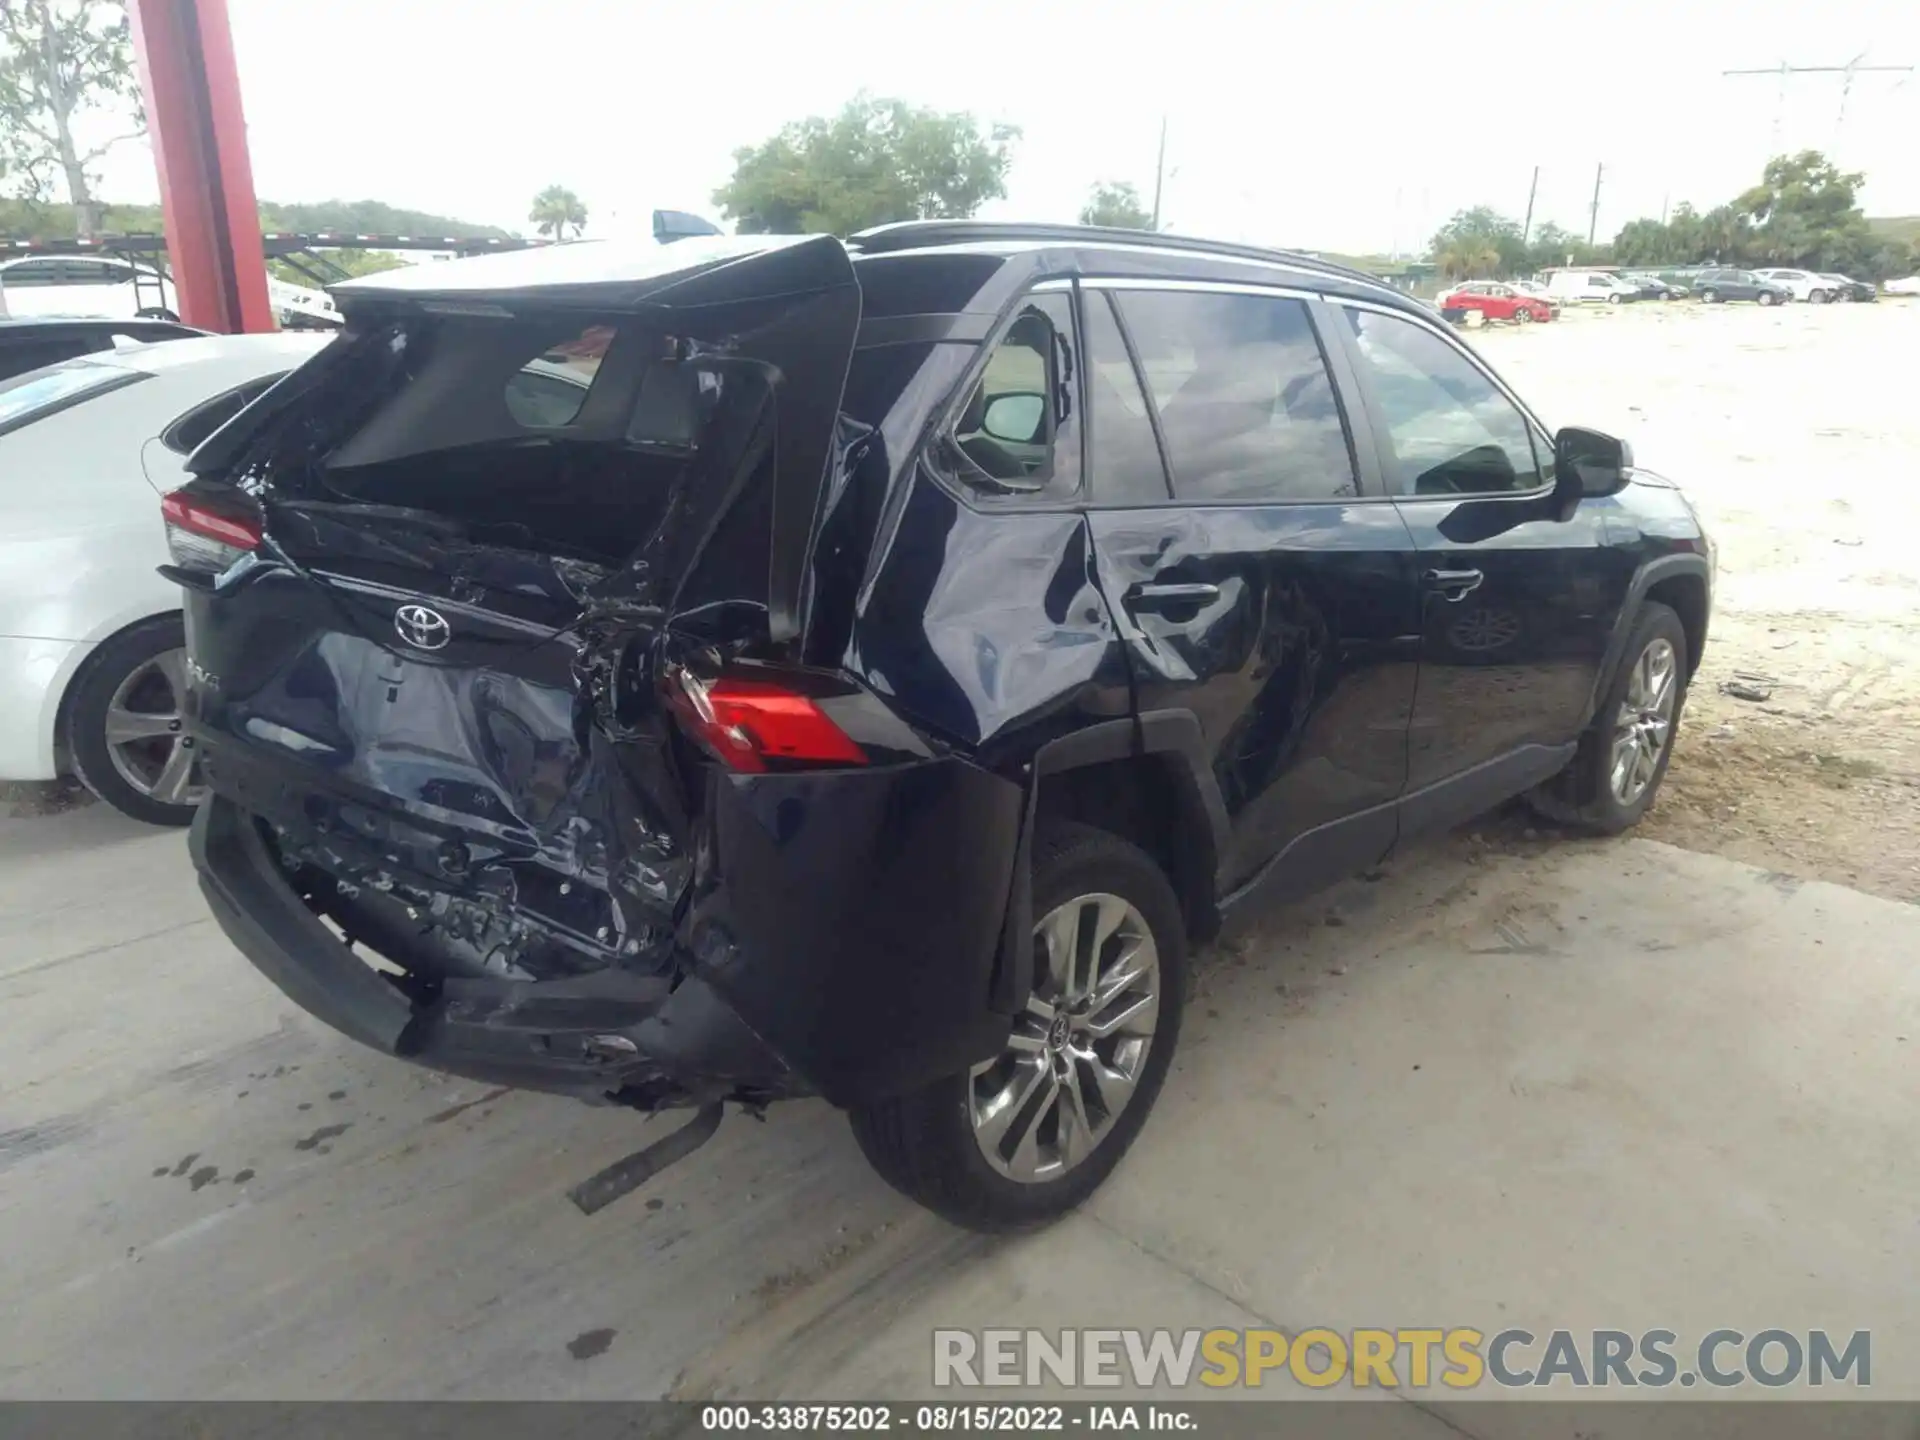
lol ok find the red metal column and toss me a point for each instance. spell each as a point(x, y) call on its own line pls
point(192, 90)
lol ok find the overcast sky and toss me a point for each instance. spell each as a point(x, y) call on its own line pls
point(1352, 126)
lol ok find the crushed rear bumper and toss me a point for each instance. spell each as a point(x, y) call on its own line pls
point(611, 1036)
point(842, 940)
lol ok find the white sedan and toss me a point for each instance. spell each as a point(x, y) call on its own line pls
point(1805, 285)
point(92, 653)
point(1907, 285)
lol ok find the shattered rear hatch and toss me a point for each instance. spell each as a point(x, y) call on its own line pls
point(494, 516)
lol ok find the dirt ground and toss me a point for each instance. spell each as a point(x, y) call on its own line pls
point(1796, 432)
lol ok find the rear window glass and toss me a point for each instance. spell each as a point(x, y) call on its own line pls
point(39, 393)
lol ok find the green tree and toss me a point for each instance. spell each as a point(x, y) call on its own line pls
point(555, 209)
point(64, 63)
point(1117, 204)
point(1477, 243)
point(353, 262)
point(874, 162)
point(1804, 212)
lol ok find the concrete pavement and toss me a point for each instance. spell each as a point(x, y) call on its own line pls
point(1541, 1083)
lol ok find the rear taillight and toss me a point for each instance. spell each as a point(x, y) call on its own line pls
point(204, 536)
point(747, 722)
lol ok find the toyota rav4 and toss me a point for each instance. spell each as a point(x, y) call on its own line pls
point(760, 667)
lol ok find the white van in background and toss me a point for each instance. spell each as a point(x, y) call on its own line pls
point(1572, 287)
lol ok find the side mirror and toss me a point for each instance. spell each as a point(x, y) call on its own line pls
point(1588, 463)
point(1018, 417)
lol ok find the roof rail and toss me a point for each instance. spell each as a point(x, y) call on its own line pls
point(914, 234)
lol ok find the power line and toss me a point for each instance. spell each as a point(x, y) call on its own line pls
point(1787, 71)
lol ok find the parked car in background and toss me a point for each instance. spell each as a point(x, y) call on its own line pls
point(1847, 288)
point(301, 307)
point(92, 657)
point(1496, 300)
point(1907, 285)
point(1716, 286)
point(1652, 287)
point(904, 648)
point(1591, 287)
point(1803, 285)
point(29, 344)
point(101, 286)
point(1537, 290)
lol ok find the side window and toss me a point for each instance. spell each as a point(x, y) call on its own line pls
point(1019, 427)
point(185, 434)
point(1247, 408)
point(1453, 431)
point(94, 272)
point(31, 272)
point(1127, 469)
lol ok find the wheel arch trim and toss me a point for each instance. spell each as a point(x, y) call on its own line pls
point(1172, 734)
point(1654, 572)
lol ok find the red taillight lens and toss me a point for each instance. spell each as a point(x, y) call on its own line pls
point(744, 723)
point(203, 537)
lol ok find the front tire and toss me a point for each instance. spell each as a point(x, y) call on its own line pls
point(1616, 771)
point(1709, 297)
point(1524, 317)
point(1765, 297)
point(1028, 1134)
point(1613, 299)
point(126, 737)
point(1819, 297)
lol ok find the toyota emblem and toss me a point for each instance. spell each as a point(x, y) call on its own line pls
point(422, 627)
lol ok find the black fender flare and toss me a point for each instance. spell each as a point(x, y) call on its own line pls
point(1175, 734)
point(1664, 567)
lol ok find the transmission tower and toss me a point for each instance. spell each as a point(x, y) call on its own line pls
point(1787, 71)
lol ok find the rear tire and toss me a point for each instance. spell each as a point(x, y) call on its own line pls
point(125, 736)
point(1586, 795)
point(933, 1144)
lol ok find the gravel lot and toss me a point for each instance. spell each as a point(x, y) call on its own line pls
point(1797, 433)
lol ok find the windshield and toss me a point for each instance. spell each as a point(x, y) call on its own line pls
point(39, 393)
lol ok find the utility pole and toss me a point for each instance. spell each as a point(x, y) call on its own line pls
point(1160, 172)
point(1526, 227)
point(1593, 211)
point(1787, 71)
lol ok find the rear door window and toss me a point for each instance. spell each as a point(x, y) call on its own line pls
point(1127, 468)
point(1246, 406)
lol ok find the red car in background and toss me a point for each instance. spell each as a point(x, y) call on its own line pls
point(1497, 302)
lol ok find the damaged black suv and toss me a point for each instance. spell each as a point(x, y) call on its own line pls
point(757, 667)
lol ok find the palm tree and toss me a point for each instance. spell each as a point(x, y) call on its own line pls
point(555, 210)
point(1466, 256)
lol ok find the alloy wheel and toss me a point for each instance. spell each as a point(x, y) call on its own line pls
point(145, 733)
point(1525, 317)
point(1643, 728)
point(1077, 1052)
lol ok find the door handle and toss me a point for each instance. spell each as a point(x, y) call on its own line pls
point(1453, 584)
point(1170, 596)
